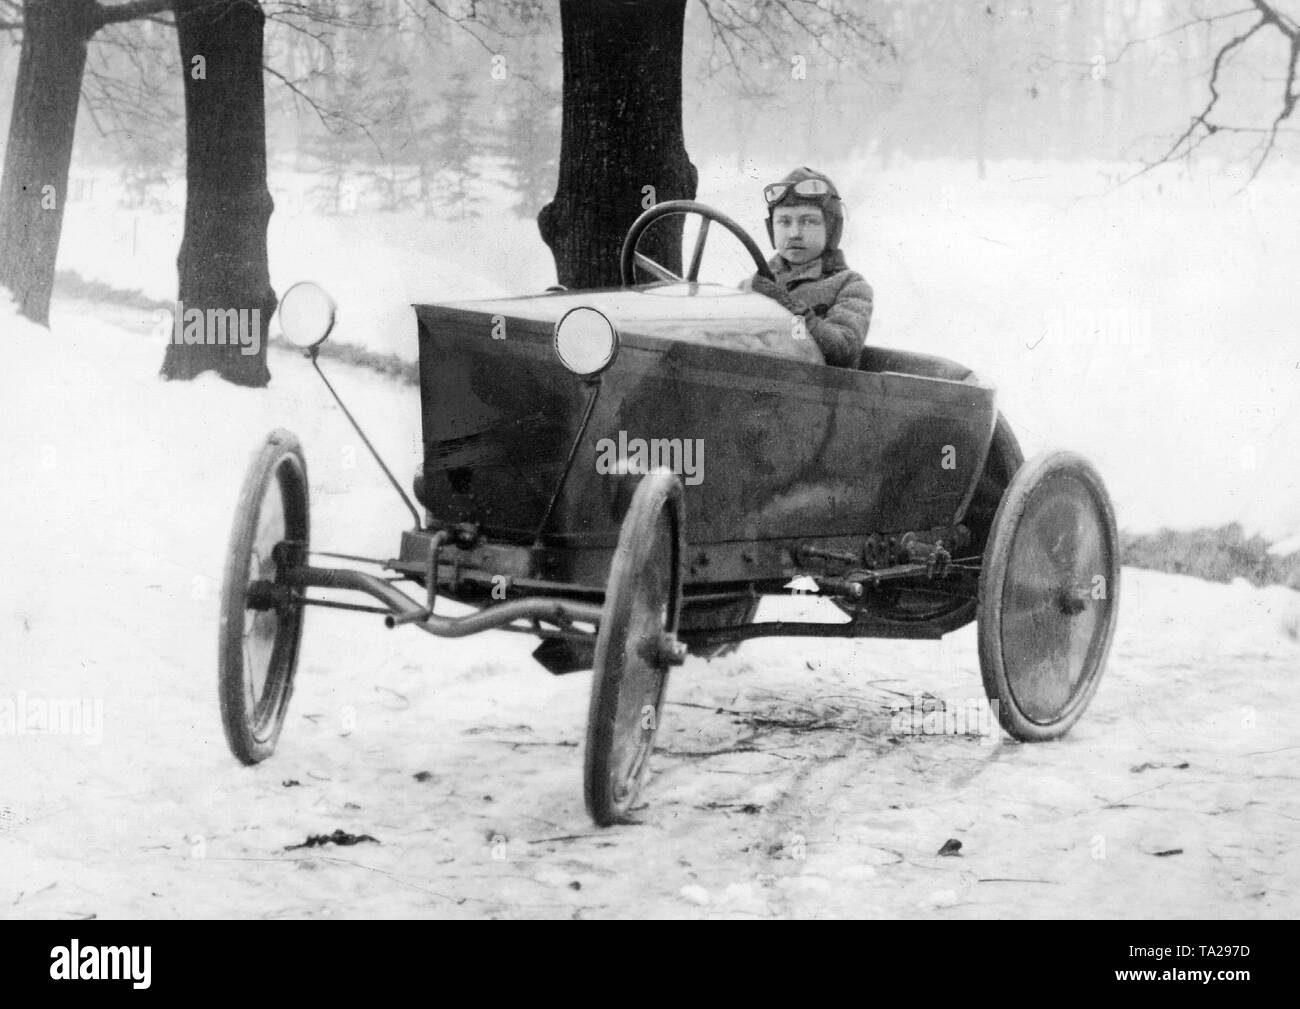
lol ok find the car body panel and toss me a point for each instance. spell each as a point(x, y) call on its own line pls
point(773, 445)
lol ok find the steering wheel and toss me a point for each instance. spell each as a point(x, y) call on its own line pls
point(630, 258)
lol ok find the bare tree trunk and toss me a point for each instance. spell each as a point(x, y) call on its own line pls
point(34, 187)
point(223, 258)
point(1079, 83)
point(984, 83)
point(622, 133)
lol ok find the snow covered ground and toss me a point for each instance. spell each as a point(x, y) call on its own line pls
point(786, 784)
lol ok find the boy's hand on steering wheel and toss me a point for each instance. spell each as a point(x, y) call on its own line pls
point(774, 290)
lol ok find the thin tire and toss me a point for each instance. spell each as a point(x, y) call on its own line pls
point(1049, 592)
point(261, 621)
point(640, 619)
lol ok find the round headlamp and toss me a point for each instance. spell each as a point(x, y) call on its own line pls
point(586, 342)
point(306, 314)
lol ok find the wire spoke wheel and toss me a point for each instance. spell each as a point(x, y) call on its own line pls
point(261, 618)
point(635, 647)
point(1048, 596)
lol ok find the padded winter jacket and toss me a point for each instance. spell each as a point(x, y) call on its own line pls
point(835, 303)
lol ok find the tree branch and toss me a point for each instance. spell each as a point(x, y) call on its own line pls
point(770, 29)
point(1289, 99)
point(1203, 127)
point(327, 116)
point(1133, 43)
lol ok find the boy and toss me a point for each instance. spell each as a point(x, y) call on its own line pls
point(805, 219)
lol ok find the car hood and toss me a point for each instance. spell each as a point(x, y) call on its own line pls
point(707, 314)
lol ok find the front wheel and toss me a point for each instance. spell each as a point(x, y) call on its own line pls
point(635, 646)
point(1048, 593)
point(261, 618)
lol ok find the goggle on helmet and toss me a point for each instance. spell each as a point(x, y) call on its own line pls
point(814, 189)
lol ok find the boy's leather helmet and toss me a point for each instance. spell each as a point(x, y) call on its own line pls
point(831, 205)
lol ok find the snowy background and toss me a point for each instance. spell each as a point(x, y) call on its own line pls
point(1150, 326)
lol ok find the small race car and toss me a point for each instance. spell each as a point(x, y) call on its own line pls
point(625, 473)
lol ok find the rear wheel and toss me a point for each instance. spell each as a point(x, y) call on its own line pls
point(635, 646)
point(1049, 588)
point(261, 620)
